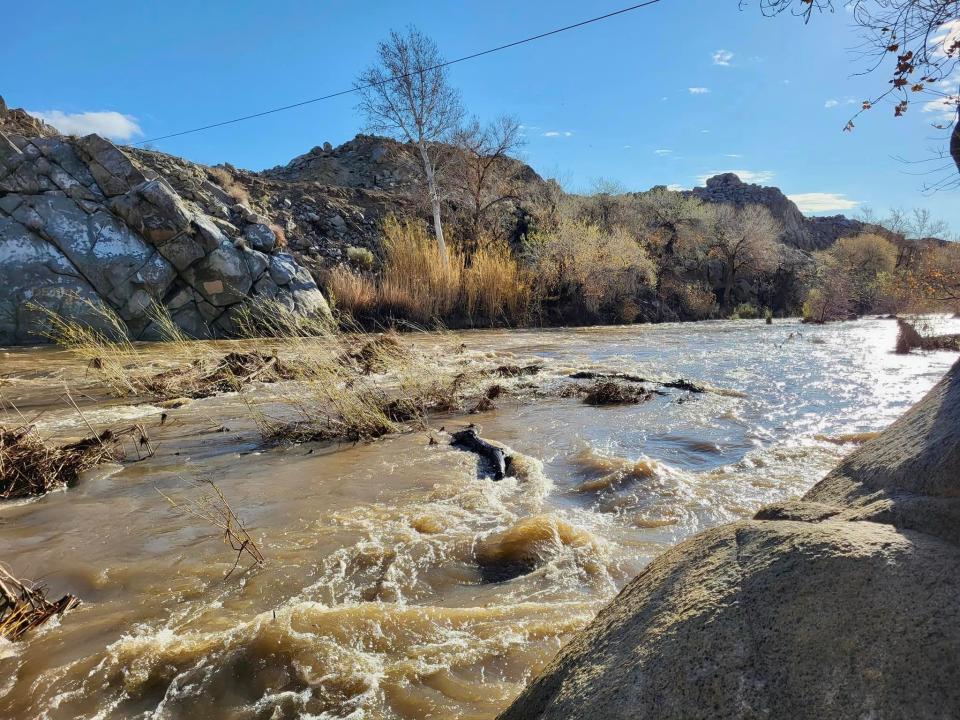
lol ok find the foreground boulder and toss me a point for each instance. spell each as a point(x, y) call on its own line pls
point(844, 604)
point(84, 225)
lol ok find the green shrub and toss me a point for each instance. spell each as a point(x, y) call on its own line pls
point(745, 311)
point(360, 258)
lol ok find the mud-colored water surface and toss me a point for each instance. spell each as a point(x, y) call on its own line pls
point(399, 582)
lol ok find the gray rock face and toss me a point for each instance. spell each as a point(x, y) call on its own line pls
point(843, 604)
point(82, 224)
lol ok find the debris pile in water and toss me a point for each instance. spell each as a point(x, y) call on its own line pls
point(607, 392)
point(24, 606)
point(231, 372)
point(908, 338)
point(30, 466)
point(378, 354)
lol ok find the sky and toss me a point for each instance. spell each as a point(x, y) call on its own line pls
point(665, 95)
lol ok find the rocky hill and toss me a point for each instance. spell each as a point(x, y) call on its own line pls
point(799, 231)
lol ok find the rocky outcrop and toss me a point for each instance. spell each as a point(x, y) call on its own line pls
point(83, 223)
point(842, 604)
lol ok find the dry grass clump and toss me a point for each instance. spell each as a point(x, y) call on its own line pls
point(280, 234)
point(267, 318)
point(225, 179)
point(416, 284)
point(105, 348)
point(496, 288)
point(350, 292)
point(31, 466)
point(24, 606)
point(607, 392)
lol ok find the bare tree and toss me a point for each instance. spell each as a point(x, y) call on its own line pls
point(486, 174)
point(407, 95)
point(919, 41)
point(743, 238)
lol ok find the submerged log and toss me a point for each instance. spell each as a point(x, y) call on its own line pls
point(494, 457)
point(908, 338)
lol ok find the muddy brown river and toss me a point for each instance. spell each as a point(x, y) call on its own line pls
point(399, 583)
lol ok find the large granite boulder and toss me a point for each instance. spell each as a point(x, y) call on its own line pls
point(84, 225)
point(844, 604)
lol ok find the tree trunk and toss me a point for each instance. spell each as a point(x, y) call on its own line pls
point(955, 142)
point(434, 202)
point(728, 278)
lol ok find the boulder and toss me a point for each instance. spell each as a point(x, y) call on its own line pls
point(843, 604)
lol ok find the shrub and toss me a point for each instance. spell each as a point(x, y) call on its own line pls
point(745, 311)
point(695, 301)
point(601, 268)
point(360, 258)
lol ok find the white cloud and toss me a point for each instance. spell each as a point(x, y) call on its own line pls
point(675, 187)
point(948, 37)
point(831, 103)
point(698, 90)
point(733, 155)
point(722, 57)
point(557, 133)
point(108, 123)
point(662, 152)
point(823, 202)
point(747, 176)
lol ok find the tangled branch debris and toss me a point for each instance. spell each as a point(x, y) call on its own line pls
point(378, 355)
point(30, 466)
point(607, 392)
point(232, 372)
point(24, 606)
point(215, 510)
point(908, 338)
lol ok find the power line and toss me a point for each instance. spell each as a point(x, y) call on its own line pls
point(400, 77)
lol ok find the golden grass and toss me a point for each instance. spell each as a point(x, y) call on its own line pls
point(497, 288)
point(351, 292)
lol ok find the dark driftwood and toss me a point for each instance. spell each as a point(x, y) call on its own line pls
point(679, 384)
point(494, 457)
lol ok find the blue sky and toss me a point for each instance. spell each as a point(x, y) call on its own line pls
point(663, 95)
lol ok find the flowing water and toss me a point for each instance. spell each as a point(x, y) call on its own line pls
point(399, 583)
